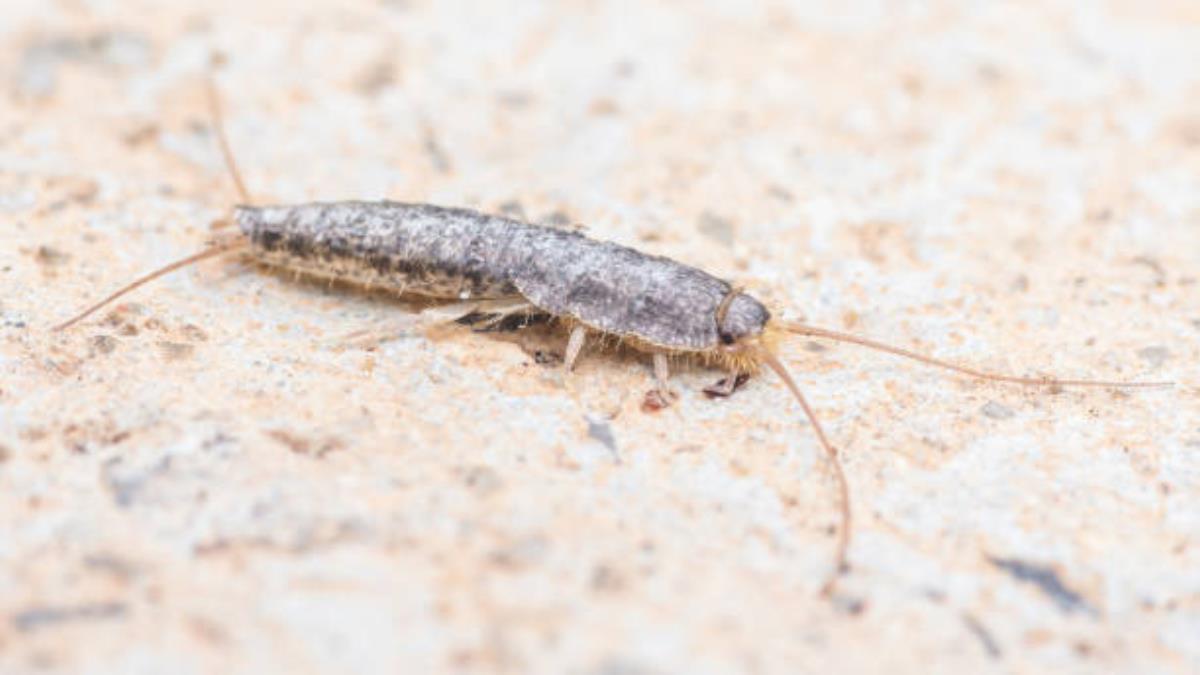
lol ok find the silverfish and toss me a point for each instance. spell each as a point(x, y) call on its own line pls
point(506, 267)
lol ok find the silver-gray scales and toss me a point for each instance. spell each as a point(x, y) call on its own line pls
point(456, 253)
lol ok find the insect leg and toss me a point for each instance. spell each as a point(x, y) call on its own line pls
point(662, 370)
point(486, 316)
point(661, 396)
point(726, 385)
point(368, 338)
point(574, 346)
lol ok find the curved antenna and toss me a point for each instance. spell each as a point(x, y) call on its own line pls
point(831, 454)
point(814, 331)
point(215, 249)
point(214, 105)
point(218, 122)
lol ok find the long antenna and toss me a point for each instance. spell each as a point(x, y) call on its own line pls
point(814, 331)
point(214, 105)
point(216, 249)
point(218, 121)
point(831, 453)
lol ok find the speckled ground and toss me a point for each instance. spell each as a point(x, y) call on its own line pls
point(210, 479)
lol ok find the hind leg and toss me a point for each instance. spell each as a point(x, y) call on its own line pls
point(495, 310)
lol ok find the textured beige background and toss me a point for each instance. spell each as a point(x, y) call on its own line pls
point(208, 480)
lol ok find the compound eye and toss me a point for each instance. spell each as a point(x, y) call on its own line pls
point(726, 338)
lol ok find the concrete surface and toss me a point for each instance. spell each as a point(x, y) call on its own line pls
point(207, 479)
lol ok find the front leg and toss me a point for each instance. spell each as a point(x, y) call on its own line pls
point(725, 386)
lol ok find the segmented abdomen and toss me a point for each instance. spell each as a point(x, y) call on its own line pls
point(407, 248)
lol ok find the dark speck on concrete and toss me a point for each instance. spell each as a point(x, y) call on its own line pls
point(483, 480)
point(40, 617)
point(1155, 355)
point(37, 75)
point(126, 485)
point(996, 411)
point(522, 553)
point(433, 149)
point(849, 605)
point(114, 565)
point(556, 219)
point(1047, 581)
point(102, 344)
point(781, 193)
point(983, 635)
point(600, 430)
point(175, 351)
point(376, 77)
point(716, 228)
point(50, 256)
point(513, 209)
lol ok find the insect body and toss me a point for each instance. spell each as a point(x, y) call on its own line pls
point(652, 303)
point(458, 254)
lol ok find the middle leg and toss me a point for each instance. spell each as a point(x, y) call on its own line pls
point(661, 396)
